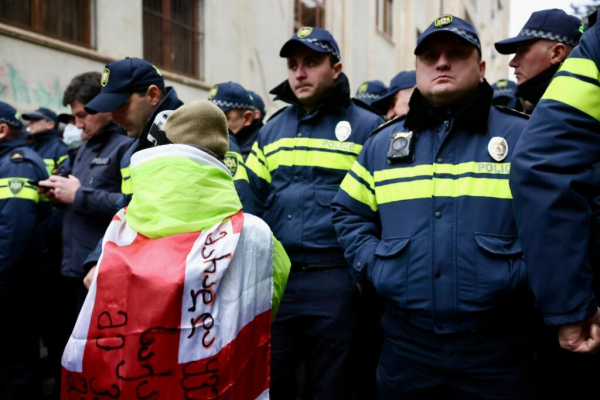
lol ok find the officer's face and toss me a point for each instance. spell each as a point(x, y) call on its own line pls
point(311, 75)
point(238, 119)
point(40, 126)
point(88, 123)
point(532, 57)
point(448, 70)
point(133, 114)
point(399, 103)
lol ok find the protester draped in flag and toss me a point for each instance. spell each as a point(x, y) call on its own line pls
point(187, 284)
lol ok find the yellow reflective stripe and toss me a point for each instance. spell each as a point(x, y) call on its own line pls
point(126, 181)
point(254, 165)
point(20, 186)
point(438, 187)
point(320, 144)
point(473, 167)
point(240, 172)
point(410, 172)
point(363, 174)
point(62, 159)
point(310, 158)
point(358, 191)
point(581, 66)
point(576, 93)
point(49, 165)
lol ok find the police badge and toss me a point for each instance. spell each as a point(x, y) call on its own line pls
point(15, 186)
point(343, 131)
point(105, 77)
point(231, 163)
point(498, 148)
point(443, 20)
point(213, 92)
point(304, 32)
point(363, 88)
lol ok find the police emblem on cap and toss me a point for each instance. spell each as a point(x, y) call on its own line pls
point(15, 186)
point(343, 131)
point(213, 92)
point(443, 20)
point(231, 163)
point(502, 83)
point(105, 76)
point(363, 88)
point(498, 148)
point(17, 116)
point(304, 32)
point(582, 28)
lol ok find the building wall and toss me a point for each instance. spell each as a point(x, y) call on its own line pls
point(241, 43)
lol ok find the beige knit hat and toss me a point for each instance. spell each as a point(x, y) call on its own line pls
point(200, 123)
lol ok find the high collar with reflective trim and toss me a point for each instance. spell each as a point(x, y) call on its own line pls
point(179, 189)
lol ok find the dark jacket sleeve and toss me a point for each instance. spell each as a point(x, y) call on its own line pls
point(98, 202)
point(356, 217)
point(553, 188)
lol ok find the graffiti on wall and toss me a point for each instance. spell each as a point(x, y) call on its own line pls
point(28, 95)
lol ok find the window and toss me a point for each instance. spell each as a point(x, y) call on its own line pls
point(173, 35)
point(65, 20)
point(385, 14)
point(309, 13)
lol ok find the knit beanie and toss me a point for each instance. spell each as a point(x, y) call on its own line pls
point(200, 123)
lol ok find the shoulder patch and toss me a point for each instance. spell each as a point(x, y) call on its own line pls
point(277, 113)
point(390, 122)
point(512, 112)
point(364, 105)
point(17, 156)
point(231, 162)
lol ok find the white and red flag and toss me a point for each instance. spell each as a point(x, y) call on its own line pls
point(181, 317)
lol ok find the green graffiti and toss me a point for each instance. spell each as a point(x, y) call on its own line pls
point(15, 90)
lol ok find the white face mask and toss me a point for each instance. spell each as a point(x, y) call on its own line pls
point(72, 136)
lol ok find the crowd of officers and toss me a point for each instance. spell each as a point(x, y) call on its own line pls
point(450, 252)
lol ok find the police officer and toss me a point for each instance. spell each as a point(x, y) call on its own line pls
point(370, 91)
point(238, 105)
point(394, 102)
point(540, 47)
point(425, 216)
point(295, 168)
point(134, 92)
point(21, 218)
point(504, 93)
point(261, 110)
point(43, 130)
point(555, 181)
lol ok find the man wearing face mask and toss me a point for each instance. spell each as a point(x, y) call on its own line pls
point(540, 47)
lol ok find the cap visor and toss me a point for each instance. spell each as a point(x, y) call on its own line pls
point(33, 116)
point(64, 118)
point(106, 102)
point(291, 44)
point(382, 104)
point(509, 46)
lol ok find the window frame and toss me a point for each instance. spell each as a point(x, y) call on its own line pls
point(319, 14)
point(385, 21)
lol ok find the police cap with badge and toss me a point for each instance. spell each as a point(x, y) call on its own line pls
point(317, 39)
point(404, 80)
point(120, 79)
point(402, 143)
point(504, 88)
point(231, 96)
point(42, 113)
point(554, 24)
point(371, 91)
point(259, 103)
point(9, 115)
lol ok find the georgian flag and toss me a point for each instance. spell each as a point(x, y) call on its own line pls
point(181, 317)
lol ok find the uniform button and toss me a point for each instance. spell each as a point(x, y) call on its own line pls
point(358, 264)
point(440, 160)
point(289, 217)
point(299, 134)
point(437, 274)
point(438, 214)
point(295, 178)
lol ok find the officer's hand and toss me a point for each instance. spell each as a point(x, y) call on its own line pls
point(89, 278)
point(581, 337)
point(64, 189)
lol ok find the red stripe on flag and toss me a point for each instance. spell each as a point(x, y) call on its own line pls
point(237, 222)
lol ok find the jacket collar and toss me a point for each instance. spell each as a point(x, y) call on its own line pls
point(169, 102)
point(9, 145)
point(472, 115)
point(104, 133)
point(339, 95)
point(248, 134)
point(47, 136)
point(533, 89)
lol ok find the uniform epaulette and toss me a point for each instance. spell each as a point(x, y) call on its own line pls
point(17, 156)
point(513, 112)
point(364, 105)
point(388, 123)
point(277, 113)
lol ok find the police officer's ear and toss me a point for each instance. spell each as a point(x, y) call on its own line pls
point(4, 132)
point(337, 69)
point(248, 117)
point(558, 53)
point(154, 95)
point(481, 71)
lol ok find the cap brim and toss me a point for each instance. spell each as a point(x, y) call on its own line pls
point(509, 46)
point(64, 118)
point(33, 116)
point(438, 32)
point(291, 44)
point(106, 102)
point(382, 103)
